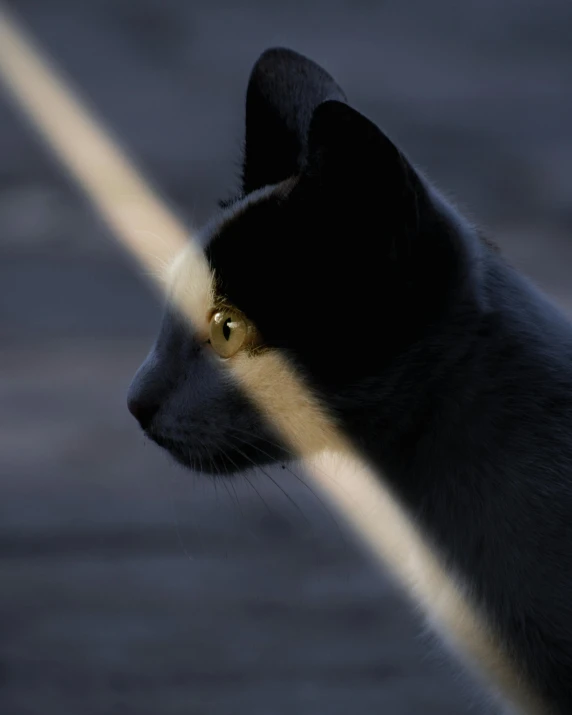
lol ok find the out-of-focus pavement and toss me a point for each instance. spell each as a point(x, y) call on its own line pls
point(127, 584)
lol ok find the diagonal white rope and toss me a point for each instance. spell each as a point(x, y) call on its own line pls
point(97, 163)
point(149, 230)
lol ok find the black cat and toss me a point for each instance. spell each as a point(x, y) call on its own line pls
point(446, 369)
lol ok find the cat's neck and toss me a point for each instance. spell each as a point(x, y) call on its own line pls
point(501, 349)
point(473, 434)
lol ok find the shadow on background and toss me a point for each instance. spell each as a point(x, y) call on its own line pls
point(128, 584)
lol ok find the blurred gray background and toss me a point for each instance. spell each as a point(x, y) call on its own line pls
point(126, 584)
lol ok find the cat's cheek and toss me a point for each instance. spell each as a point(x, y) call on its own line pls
point(280, 395)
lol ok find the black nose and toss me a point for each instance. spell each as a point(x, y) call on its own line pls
point(143, 410)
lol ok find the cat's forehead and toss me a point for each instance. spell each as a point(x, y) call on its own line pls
point(193, 287)
point(238, 210)
point(239, 207)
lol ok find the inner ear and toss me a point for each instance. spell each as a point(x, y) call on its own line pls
point(284, 90)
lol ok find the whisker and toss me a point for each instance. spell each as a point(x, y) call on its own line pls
point(226, 454)
point(230, 482)
point(199, 456)
point(272, 443)
point(225, 482)
point(251, 484)
point(300, 479)
point(176, 518)
point(276, 484)
point(295, 457)
point(232, 486)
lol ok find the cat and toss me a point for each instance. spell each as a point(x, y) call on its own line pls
point(447, 370)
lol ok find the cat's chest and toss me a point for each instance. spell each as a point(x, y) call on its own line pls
point(377, 515)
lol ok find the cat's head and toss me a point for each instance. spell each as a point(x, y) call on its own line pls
point(335, 260)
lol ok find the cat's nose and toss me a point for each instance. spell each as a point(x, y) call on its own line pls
point(147, 391)
point(142, 409)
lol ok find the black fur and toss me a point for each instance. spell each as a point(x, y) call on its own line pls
point(449, 370)
point(283, 91)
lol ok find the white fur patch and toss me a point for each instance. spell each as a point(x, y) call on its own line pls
point(192, 288)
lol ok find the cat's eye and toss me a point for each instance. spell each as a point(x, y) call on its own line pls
point(228, 332)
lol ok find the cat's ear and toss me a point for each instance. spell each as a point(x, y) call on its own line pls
point(349, 154)
point(283, 92)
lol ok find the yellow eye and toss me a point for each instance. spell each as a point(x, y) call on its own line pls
point(228, 332)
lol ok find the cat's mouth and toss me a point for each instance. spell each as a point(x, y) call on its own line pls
point(222, 461)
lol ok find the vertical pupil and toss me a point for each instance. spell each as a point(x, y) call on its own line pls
point(226, 328)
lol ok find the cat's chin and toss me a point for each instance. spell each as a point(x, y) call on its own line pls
point(224, 463)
